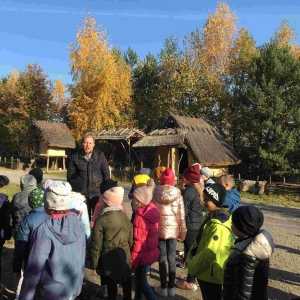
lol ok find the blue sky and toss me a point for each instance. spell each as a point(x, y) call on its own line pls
point(41, 31)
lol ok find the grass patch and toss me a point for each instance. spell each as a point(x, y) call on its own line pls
point(10, 190)
point(277, 200)
point(62, 175)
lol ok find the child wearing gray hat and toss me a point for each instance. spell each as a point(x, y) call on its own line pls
point(247, 268)
point(55, 267)
point(205, 174)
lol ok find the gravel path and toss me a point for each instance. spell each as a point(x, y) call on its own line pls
point(282, 222)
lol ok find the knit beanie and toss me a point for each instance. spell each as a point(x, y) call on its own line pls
point(158, 171)
point(145, 171)
point(36, 198)
point(57, 196)
point(205, 171)
point(216, 193)
point(167, 177)
point(37, 173)
point(76, 183)
point(114, 196)
point(47, 183)
point(192, 173)
point(3, 180)
point(144, 194)
point(248, 219)
point(107, 184)
point(28, 183)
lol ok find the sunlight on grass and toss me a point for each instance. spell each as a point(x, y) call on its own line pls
point(277, 200)
point(10, 190)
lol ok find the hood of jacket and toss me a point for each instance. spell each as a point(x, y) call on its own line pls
point(261, 246)
point(66, 228)
point(166, 194)
point(37, 210)
point(3, 198)
point(149, 213)
point(234, 195)
point(20, 200)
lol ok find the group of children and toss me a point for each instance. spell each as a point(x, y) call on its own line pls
point(225, 251)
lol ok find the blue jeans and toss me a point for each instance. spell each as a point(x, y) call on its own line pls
point(167, 250)
point(141, 284)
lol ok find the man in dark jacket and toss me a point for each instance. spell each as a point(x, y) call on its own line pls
point(92, 167)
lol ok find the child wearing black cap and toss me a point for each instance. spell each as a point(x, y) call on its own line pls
point(247, 268)
point(207, 257)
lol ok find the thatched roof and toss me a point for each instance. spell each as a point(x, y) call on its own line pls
point(118, 134)
point(205, 141)
point(163, 137)
point(55, 134)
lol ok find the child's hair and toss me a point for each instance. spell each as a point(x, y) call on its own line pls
point(3, 181)
point(227, 179)
point(199, 187)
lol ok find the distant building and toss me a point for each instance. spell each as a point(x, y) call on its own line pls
point(49, 140)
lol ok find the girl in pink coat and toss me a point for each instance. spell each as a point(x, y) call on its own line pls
point(145, 248)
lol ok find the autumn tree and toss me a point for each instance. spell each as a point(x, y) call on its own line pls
point(59, 102)
point(210, 50)
point(285, 36)
point(24, 96)
point(101, 87)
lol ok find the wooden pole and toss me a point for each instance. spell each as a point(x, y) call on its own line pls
point(270, 179)
point(257, 179)
point(284, 180)
point(239, 176)
point(64, 164)
point(47, 164)
point(159, 161)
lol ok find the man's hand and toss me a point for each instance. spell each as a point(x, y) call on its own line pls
point(96, 272)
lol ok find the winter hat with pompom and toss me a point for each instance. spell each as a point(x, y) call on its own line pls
point(158, 171)
point(144, 193)
point(47, 183)
point(167, 177)
point(114, 196)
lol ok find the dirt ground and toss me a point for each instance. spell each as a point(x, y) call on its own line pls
point(284, 279)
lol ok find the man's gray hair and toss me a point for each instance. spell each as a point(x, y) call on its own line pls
point(87, 135)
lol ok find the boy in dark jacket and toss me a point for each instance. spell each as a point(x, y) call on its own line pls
point(193, 205)
point(56, 260)
point(5, 222)
point(247, 268)
point(112, 239)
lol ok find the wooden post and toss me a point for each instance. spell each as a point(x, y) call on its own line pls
point(270, 179)
point(283, 180)
point(64, 164)
point(47, 164)
point(179, 166)
point(239, 176)
point(168, 160)
point(4, 158)
point(257, 179)
point(56, 164)
point(159, 161)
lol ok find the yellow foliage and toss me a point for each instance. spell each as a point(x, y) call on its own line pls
point(102, 82)
point(286, 35)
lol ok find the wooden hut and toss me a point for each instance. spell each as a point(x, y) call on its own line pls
point(186, 140)
point(121, 138)
point(49, 140)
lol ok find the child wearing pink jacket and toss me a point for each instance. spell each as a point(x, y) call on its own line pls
point(145, 247)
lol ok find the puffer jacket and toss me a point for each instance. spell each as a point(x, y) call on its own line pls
point(145, 225)
point(170, 205)
point(92, 172)
point(192, 206)
point(247, 268)
point(20, 209)
point(5, 218)
point(111, 242)
point(213, 246)
point(232, 200)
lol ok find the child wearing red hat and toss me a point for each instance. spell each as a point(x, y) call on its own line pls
point(171, 227)
point(193, 198)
